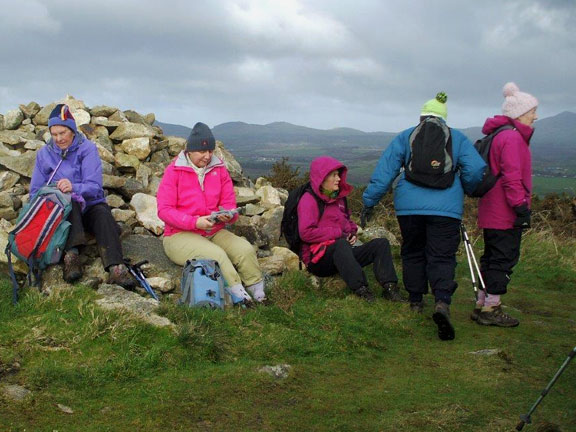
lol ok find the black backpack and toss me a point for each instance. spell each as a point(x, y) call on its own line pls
point(431, 163)
point(483, 146)
point(289, 224)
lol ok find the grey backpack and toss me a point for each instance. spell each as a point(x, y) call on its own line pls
point(202, 285)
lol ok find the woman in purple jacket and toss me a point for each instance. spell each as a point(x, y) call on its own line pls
point(73, 163)
point(329, 238)
point(505, 210)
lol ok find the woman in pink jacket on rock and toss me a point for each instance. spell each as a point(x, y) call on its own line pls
point(194, 185)
point(329, 239)
point(505, 210)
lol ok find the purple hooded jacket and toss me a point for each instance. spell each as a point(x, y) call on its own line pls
point(81, 165)
point(335, 221)
point(511, 159)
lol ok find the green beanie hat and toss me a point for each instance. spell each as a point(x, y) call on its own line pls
point(436, 107)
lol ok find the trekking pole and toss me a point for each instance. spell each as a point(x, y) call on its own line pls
point(472, 259)
point(136, 271)
point(525, 418)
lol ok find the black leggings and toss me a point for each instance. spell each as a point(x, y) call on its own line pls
point(347, 261)
point(98, 220)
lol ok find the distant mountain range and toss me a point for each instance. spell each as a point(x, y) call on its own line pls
point(257, 146)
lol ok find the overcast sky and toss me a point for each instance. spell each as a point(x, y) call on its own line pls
point(365, 64)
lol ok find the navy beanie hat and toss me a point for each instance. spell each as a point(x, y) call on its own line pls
point(200, 138)
point(62, 116)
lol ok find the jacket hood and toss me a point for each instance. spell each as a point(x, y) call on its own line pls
point(320, 168)
point(182, 162)
point(493, 123)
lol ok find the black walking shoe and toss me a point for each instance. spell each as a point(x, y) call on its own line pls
point(366, 293)
point(72, 270)
point(417, 307)
point(119, 275)
point(475, 313)
point(390, 291)
point(441, 317)
point(497, 317)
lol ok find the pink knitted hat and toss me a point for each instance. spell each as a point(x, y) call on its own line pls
point(516, 102)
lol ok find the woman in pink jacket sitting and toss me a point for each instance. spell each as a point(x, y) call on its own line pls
point(329, 238)
point(505, 210)
point(194, 185)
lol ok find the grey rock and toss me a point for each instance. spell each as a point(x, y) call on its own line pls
point(486, 352)
point(131, 130)
point(23, 164)
point(119, 116)
point(150, 248)
point(130, 188)
point(147, 212)
point(281, 371)
point(65, 409)
point(143, 173)
point(114, 297)
point(134, 117)
point(13, 119)
point(109, 181)
point(15, 137)
point(30, 110)
point(150, 118)
point(103, 111)
point(15, 392)
point(371, 233)
point(8, 179)
point(115, 201)
point(42, 117)
point(139, 147)
point(126, 162)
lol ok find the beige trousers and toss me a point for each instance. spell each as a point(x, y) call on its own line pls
point(235, 255)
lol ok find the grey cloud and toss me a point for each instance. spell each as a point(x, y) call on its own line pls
point(369, 64)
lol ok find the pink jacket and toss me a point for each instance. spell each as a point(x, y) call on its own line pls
point(511, 159)
point(335, 221)
point(181, 200)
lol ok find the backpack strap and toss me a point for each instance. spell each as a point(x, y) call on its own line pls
point(12, 275)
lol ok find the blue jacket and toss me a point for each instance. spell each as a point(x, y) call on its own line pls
point(410, 199)
point(81, 165)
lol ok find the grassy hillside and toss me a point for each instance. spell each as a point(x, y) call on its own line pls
point(355, 366)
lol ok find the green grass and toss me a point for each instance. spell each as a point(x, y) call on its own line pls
point(355, 366)
point(546, 185)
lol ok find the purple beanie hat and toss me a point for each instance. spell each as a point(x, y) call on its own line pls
point(62, 116)
point(516, 102)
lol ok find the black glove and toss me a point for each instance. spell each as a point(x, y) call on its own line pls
point(366, 215)
point(522, 216)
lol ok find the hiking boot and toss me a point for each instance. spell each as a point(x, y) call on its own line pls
point(441, 317)
point(366, 293)
point(72, 270)
point(497, 317)
point(390, 291)
point(119, 275)
point(475, 313)
point(417, 307)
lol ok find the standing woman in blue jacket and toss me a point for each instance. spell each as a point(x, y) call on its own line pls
point(429, 218)
point(73, 163)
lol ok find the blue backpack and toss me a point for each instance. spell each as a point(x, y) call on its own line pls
point(202, 285)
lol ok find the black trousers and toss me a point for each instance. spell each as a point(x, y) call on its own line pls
point(347, 261)
point(501, 254)
point(429, 246)
point(97, 220)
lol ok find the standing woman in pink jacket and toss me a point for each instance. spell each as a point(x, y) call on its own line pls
point(505, 210)
point(194, 185)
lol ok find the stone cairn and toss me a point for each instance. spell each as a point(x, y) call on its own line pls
point(134, 155)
